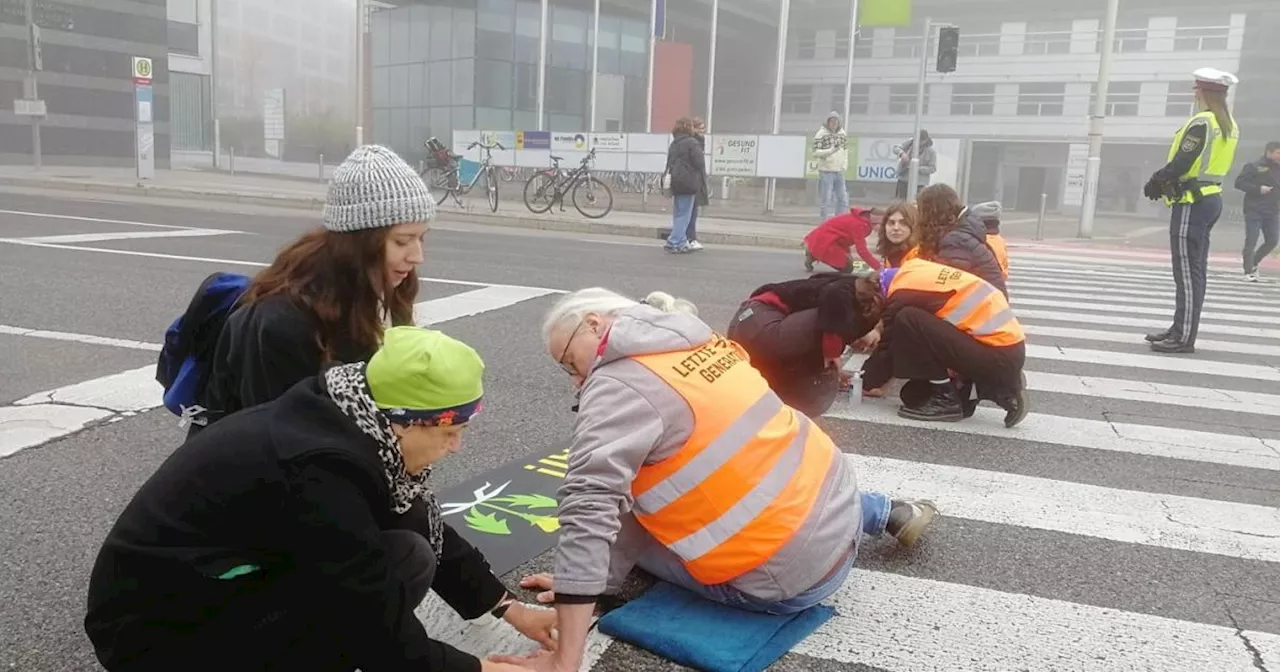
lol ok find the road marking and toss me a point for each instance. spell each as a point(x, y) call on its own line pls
point(98, 220)
point(1121, 273)
point(45, 415)
point(1123, 302)
point(1126, 290)
point(1121, 321)
point(130, 235)
point(1246, 531)
point(907, 624)
point(1154, 362)
point(9, 330)
point(1117, 437)
point(486, 635)
point(1202, 345)
point(235, 262)
point(1156, 393)
point(1103, 260)
point(472, 303)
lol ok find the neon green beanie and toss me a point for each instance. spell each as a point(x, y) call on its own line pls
point(422, 376)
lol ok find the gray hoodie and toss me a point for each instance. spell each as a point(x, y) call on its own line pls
point(629, 417)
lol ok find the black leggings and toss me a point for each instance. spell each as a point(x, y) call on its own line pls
point(926, 347)
point(787, 350)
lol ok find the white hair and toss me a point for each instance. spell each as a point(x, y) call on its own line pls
point(574, 307)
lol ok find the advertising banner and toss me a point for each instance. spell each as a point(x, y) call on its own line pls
point(568, 142)
point(533, 139)
point(734, 155)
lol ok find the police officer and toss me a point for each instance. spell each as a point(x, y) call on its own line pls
point(1200, 157)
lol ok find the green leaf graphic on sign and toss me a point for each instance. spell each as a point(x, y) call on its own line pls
point(529, 501)
point(486, 522)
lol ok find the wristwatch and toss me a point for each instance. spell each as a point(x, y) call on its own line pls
point(501, 610)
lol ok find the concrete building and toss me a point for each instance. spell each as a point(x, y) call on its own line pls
point(190, 33)
point(87, 47)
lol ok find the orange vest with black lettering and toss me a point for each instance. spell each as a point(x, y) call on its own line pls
point(975, 307)
point(996, 242)
point(746, 479)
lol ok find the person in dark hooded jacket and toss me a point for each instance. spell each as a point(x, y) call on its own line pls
point(796, 331)
point(955, 236)
point(688, 170)
point(301, 534)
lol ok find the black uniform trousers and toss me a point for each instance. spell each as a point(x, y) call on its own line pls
point(926, 347)
point(1189, 227)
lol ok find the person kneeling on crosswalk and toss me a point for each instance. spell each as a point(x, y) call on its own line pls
point(683, 462)
point(939, 320)
point(301, 534)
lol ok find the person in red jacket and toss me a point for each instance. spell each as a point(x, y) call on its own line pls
point(832, 240)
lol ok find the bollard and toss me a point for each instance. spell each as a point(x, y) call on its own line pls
point(724, 188)
point(1044, 201)
point(320, 168)
point(232, 156)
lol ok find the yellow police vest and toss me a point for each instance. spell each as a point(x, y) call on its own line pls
point(1216, 157)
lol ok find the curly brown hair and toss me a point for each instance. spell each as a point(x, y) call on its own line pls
point(939, 207)
point(884, 247)
point(333, 275)
point(684, 126)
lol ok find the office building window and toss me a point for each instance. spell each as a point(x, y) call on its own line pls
point(569, 42)
point(1181, 101)
point(859, 101)
point(182, 11)
point(495, 31)
point(804, 44)
point(902, 99)
point(1202, 33)
point(861, 44)
point(635, 48)
point(184, 38)
point(528, 18)
point(906, 44)
point(973, 100)
point(1122, 98)
point(493, 83)
point(797, 99)
point(1131, 34)
point(1041, 99)
point(1047, 37)
point(980, 40)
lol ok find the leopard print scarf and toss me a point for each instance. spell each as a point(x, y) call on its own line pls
point(349, 390)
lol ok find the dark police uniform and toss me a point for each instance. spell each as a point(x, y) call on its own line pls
point(1191, 183)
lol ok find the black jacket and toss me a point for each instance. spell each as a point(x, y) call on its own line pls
point(296, 488)
point(965, 248)
point(832, 294)
point(687, 166)
point(264, 349)
point(1254, 176)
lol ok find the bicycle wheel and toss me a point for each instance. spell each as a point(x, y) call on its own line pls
point(440, 183)
point(539, 192)
point(592, 193)
point(491, 186)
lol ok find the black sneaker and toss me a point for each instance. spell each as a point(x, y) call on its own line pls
point(908, 519)
point(943, 405)
point(1173, 347)
point(1157, 336)
point(1016, 407)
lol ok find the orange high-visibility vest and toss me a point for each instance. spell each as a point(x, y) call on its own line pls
point(913, 253)
point(975, 307)
point(996, 242)
point(746, 479)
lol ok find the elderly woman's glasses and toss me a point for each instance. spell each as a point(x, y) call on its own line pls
point(569, 368)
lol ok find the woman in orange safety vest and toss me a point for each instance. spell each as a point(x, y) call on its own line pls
point(938, 319)
point(683, 462)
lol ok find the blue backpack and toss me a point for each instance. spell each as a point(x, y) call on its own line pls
point(183, 365)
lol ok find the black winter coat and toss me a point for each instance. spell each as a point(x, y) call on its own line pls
point(965, 248)
point(294, 487)
point(1252, 178)
point(686, 165)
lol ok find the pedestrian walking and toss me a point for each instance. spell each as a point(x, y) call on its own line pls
point(928, 166)
point(831, 151)
point(832, 241)
point(796, 333)
point(685, 464)
point(327, 296)
point(687, 168)
point(1260, 182)
point(302, 534)
point(1200, 157)
point(949, 333)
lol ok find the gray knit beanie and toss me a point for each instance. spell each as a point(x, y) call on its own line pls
point(374, 188)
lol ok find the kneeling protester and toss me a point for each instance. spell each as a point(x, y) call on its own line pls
point(301, 534)
point(939, 320)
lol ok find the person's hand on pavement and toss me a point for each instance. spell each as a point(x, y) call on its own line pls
point(491, 665)
point(536, 624)
point(541, 661)
point(867, 343)
point(541, 583)
point(875, 392)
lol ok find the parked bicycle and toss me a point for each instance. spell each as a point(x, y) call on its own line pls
point(547, 188)
point(445, 176)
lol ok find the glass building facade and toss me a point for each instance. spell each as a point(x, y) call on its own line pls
point(437, 68)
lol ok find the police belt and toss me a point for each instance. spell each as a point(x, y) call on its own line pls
point(1194, 188)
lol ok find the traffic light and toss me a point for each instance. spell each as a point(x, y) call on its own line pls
point(948, 48)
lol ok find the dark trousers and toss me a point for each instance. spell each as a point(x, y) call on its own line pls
point(1267, 224)
point(278, 625)
point(926, 347)
point(691, 233)
point(810, 260)
point(786, 348)
point(900, 191)
point(1189, 227)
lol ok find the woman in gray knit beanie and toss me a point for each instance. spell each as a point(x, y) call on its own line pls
point(328, 295)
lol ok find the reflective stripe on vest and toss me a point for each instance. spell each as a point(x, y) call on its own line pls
point(746, 479)
point(1216, 158)
point(974, 307)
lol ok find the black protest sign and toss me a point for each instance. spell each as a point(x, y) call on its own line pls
point(509, 513)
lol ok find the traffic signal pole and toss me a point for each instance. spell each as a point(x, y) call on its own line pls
point(913, 179)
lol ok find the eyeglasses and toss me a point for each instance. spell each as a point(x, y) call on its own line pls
point(569, 368)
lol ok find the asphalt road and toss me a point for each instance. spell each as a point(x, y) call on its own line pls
point(1209, 560)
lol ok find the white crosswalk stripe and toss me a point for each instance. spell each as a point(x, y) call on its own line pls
point(1125, 451)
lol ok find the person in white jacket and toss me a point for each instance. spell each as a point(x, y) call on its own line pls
point(830, 150)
